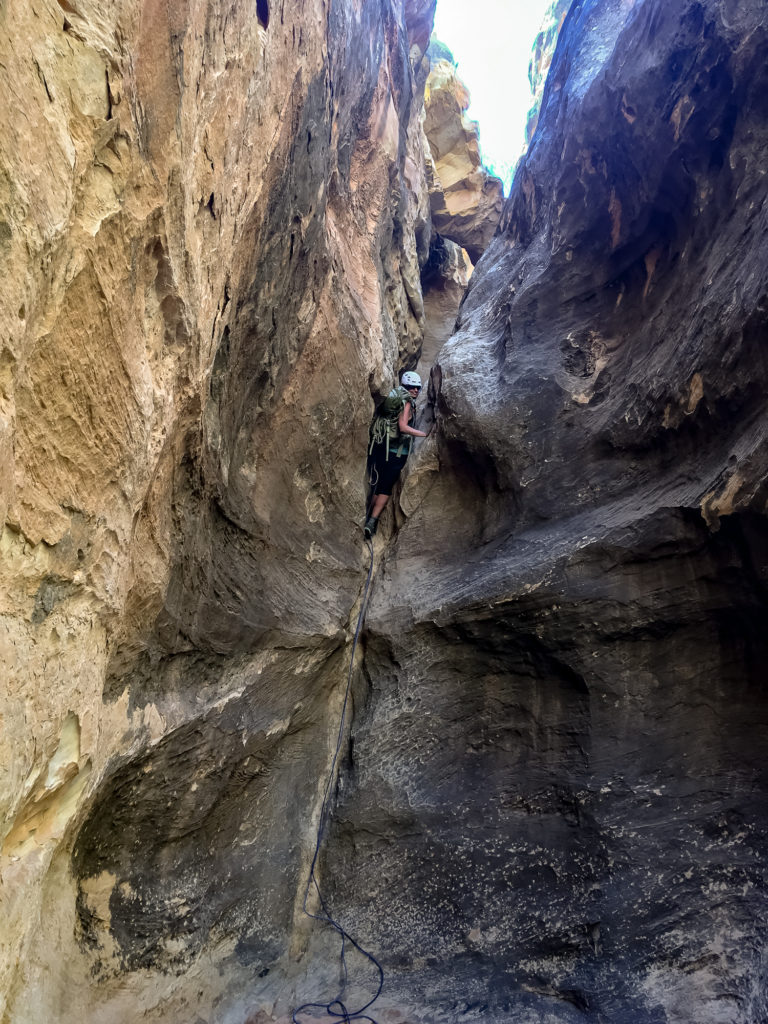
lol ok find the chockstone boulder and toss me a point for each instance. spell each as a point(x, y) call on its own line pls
point(551, 803)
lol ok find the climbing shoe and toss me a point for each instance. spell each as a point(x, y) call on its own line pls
point(370, 527)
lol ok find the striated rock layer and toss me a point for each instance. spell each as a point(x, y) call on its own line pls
point(212, 221)
point(557, 800)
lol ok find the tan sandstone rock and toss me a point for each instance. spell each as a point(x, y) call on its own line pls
point(466, 200)
point(212, 221)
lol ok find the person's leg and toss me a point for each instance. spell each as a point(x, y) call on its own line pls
point(379, 501)
point(380, 473)
point(372, 522)
point(389, 471)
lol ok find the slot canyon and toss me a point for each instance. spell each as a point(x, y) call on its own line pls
point(225, 228)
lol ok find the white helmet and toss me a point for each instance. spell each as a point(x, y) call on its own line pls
point(410, 379)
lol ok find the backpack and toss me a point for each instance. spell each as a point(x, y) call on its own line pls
point(384, 428)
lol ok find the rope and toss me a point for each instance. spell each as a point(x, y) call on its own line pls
point(336, 1008)
point(373, 484)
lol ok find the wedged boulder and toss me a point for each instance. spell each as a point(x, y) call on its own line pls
point(566, 704)
point(444, 280)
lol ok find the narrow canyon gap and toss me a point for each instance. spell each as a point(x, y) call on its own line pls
point(223, 230)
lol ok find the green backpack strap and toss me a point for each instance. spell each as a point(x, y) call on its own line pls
point(385, 425)
point(403, 396)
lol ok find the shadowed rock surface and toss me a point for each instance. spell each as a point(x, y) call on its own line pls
point(566, 653)
point(214, 223)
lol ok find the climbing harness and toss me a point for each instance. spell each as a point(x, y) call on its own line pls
point(336, 1008)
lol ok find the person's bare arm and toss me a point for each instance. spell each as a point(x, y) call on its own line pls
point(404, 424)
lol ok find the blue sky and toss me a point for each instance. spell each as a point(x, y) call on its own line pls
point(492, 40)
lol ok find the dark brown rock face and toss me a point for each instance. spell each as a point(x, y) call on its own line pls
point(556, 800)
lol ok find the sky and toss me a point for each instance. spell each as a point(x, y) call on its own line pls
point(491, 40)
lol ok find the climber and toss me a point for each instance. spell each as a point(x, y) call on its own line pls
point(391, 441)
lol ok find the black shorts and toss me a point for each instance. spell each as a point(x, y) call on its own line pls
point(383, 473)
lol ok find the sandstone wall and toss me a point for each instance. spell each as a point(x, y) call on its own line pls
point(566, 655)
point(465, 200)
point(212, 218)
point(541, 58)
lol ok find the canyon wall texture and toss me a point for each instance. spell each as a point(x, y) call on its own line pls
point(543, 51)
point(214, 224)
point(212, 221)
point(566, 650)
